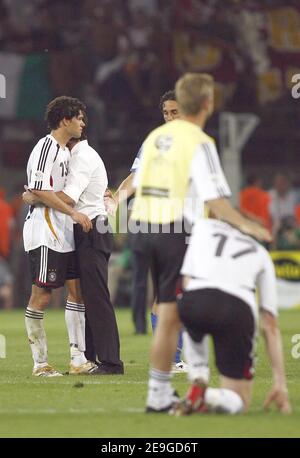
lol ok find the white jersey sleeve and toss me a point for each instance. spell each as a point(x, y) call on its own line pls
point(80, 172)
point(41, 164)
point(137, 160)
point(266, 284)
point(207, 173)
point(137, 169)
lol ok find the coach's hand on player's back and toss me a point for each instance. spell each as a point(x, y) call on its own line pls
point(279, 395)
point(83, 220)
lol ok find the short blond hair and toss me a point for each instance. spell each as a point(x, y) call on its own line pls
point(191, 90)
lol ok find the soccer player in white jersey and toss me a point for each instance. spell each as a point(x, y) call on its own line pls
point(48, 230)
point(220, 299)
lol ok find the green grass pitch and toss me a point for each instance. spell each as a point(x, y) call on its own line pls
point(112, 406)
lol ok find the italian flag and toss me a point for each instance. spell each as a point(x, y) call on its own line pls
point(27, 86)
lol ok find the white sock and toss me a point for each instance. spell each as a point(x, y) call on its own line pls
point(196, 356)
point(75, 321)
point(160, 391)
point(36, 336)
point(222, 400)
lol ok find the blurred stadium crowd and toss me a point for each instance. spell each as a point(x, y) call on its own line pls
point(119, 56)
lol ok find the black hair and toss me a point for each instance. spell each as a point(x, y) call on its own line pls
point(169, 95)
point(62, 108)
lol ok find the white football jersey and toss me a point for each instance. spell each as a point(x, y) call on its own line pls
point(47, 169)
point(220, 256)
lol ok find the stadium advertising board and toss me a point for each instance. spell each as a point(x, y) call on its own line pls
point(287, 267)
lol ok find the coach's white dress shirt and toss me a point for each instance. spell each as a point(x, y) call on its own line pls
point(87, 180)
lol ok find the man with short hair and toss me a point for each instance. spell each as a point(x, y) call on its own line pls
point(169, 109)
point(177, 159)
point(85, 188)
point(140, 263)
point(48, 229)
point(219, 299)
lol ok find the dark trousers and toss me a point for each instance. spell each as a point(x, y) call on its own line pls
point(93, 251)
point(140, 269)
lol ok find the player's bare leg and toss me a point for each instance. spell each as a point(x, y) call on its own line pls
point(165, 338)
point(178, 365)
point(40, 298)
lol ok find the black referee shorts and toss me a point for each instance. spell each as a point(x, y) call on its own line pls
point(50, 269)
point(229, 321)
point(165, 252)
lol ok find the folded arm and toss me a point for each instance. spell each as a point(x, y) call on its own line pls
point(52, 200)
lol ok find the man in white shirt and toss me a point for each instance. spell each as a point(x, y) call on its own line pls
point(220, 299)
point(85, 187)
point(48, 229)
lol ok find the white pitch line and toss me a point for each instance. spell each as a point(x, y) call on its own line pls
point(67, 411)
point(70, 382)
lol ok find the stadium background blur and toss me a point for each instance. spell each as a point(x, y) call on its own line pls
point(119, 56)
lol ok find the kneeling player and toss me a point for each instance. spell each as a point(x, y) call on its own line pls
point(219, 299)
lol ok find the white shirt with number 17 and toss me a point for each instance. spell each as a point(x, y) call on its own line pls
point(220, 256)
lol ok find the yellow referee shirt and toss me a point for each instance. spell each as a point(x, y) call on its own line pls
point(175, 156)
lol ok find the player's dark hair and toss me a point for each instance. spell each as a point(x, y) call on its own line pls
point(62, 108)
point(169, 95)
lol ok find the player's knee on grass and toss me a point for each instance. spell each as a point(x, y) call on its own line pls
point(243, 388)
point(223, 400)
